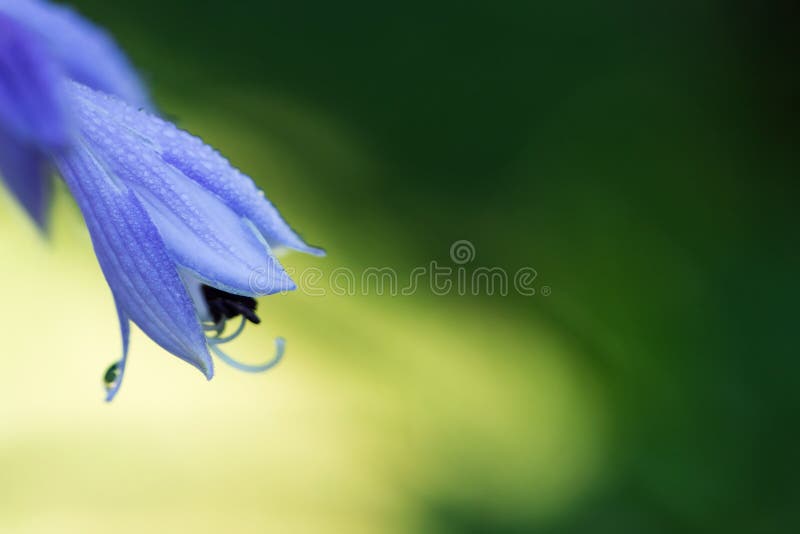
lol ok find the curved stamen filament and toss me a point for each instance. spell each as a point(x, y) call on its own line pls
point(218, 340)
point(280, 347)
point(216, 327)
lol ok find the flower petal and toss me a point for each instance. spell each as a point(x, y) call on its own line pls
point(204, 165)
point(135, 262)
point(202, 233)
point(89, 54)
point(125, 331)
point(24, 171)
point(31, 103)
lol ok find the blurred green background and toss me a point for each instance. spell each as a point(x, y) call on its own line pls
point(641, 156)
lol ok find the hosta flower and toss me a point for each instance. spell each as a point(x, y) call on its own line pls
point(39, 44)
point(184, 240)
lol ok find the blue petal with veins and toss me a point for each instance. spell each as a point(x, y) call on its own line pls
point(159, 234)
point(204, 165)
point(184, 239)
point(203, 233)
point(135, 261)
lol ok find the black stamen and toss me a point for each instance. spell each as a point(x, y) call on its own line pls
point(227, 305)
point(249, 314)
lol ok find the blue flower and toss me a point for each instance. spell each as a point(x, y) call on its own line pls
point(39, 44)
point(184, 240)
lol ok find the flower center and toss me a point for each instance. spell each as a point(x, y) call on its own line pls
point(222, 305)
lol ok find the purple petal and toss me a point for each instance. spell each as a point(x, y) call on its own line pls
point(25, 172)
point(213, 172)
point(125, 331)
point(202, 233)
point(135, 262)
point(31, 103)
point(87, 53)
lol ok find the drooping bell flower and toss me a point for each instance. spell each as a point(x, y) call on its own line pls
point(184, 240)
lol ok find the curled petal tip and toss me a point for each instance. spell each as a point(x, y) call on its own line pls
point(316, 251)
point(112, 379)
point(282, 249)
point(290, 285)
point(206, 369)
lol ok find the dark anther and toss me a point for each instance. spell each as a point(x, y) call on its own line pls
point(227, 305)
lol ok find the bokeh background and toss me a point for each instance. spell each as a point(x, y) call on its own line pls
point(640, 156)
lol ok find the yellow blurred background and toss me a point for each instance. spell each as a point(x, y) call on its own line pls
point(383, 405)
